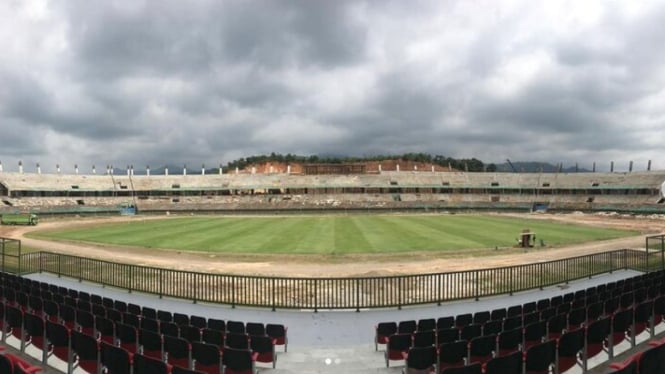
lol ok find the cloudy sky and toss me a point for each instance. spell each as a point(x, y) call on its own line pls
point(171, 81)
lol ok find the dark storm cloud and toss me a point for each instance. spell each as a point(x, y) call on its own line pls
point(173, 82)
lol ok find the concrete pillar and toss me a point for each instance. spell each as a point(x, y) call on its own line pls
point(20, 167)
point(76, 169)
point(379, 168)
point(203, 169)
point(288, 169)
point(39, 169)
point(166, 171)
point(397, 167)
point(236, 170)
point(432, 168)
point(147, 170)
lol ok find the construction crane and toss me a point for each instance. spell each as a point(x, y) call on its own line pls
point(511, 165)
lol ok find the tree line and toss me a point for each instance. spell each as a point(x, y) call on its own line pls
point(465, 164)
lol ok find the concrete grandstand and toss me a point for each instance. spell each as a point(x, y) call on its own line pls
point(436, 190)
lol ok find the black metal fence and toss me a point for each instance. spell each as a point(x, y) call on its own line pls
point(335, 293)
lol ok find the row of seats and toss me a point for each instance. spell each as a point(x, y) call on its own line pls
point(68, 328)
point(43, 296)
point(651, 360)
point(591, 327)
point(642, 287)
point(13, 364)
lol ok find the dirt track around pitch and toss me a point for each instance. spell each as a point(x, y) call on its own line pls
point(346, 265)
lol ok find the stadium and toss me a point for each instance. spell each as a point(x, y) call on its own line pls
point(343, 313)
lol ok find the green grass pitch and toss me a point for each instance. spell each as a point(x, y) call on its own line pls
point(331, 235)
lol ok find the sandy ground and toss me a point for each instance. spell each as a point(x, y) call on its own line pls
point(349, 265)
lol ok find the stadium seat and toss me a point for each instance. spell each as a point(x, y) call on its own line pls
point(481, 348)
point(115, 360)
point(207, 358)
point(85, 322)
point(255, 328)
point(127, 336)
point(622, 323)
point(509, 341)
point(453, 354)
point(239, 361)
point(191, 333)
point(540, 357)
point(652, 360)
point(237, 341)
point(85, 351)
point(492, 327)
point(152, 344)
point(58, 340)
point(569, 346)
point(164, 316)
point(212, 336)
point(481, 317)
point(643, 319)
point(35, 334)
point(407, 327)
point(279, 333)
point(264, 347)
point(508, 364)
point(181, 319)
point(169, 328)
point(235, 327)
point(177, 351)
point(597, 333)
point(463, 320)
point(534, 333)
point(216, 324)
point(424, 338)
point(556, 325)
point(14, 323)
point(105, 329)
point(447, 335)
point(426, 324)
point(421, 360)
point(445, 322)
point(149, 365)
point(397, 347)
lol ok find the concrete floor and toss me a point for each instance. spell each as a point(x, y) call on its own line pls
point(331, 341)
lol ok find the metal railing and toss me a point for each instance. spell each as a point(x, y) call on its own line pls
point(335, 293)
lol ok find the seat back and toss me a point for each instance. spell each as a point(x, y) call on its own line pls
point(508, 364)
point(421, 358)
point(148, 365)
point(116, 360)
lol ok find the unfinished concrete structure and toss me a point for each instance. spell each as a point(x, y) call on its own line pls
point(426, 190)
